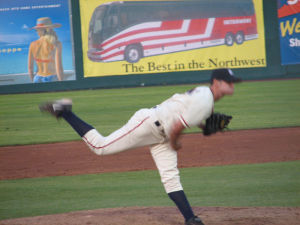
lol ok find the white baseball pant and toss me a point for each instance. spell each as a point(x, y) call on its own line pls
point(139, 131)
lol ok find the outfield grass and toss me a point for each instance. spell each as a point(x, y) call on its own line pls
point(270, 184)
point(264, 104)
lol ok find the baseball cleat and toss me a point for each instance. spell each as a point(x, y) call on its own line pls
point(194, 221)
point(56, 108)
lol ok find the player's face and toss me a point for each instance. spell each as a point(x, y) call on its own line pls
point(226, 88)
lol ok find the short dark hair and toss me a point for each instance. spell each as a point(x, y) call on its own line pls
point(224, 74)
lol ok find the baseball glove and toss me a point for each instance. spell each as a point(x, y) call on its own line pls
point(216, 122)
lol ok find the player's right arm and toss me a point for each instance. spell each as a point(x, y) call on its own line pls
point(175, 135)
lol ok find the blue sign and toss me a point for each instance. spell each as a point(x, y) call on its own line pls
point(289, 27)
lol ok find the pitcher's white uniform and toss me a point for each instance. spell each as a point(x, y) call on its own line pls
point(153, 127)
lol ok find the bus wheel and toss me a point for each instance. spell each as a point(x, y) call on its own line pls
point(133, 53)
point(239, 37)
point(229, 39)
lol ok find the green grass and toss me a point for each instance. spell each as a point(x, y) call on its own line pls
point(264, 104)
point(270, 184)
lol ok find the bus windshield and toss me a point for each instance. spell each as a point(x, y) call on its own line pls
point(97, 20)
point(96, 26)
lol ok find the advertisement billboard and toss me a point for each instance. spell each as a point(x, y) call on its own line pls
point(138, 37)
point(35, 42)
point(289, 31)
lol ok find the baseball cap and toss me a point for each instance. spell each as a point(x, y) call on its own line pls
point(224, 74)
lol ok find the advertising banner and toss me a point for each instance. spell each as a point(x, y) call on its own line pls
point(289, 31)
point(35, 42)
point(138, 37)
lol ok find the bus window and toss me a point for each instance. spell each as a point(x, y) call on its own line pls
point(123, 20)
point(97, 21)
point(111, 22)
point(96, 26)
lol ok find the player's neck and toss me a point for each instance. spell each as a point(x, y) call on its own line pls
point(216, 92)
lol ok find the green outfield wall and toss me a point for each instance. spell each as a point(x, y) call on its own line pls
point(272, 70)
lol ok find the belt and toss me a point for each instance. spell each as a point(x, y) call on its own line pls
point(157, 123)
point(160, 128)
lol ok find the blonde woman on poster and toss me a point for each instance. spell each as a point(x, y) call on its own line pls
point(46, 52)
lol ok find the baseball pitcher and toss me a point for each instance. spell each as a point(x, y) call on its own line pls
point(160, 128)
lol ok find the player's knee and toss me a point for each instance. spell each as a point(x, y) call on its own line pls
point(97, 151)
point(172, 184)
point(94, 140)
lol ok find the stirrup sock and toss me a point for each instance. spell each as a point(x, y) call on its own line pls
point(182, 203)
point(78, 125)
